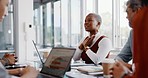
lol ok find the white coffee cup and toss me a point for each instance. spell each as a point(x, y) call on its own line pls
point(107, 65)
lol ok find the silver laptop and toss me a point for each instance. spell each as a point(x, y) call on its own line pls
point(57, 63)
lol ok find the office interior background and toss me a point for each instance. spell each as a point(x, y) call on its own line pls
point(59, 23)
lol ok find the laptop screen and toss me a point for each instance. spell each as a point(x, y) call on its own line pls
point(58, 61)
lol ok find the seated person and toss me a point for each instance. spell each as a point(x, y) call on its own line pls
point(28, 72)
point(94, 47)
point(140, 47)
point(127, 51)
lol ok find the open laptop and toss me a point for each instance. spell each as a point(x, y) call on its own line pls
point(57, 63)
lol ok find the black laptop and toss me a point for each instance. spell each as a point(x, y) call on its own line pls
point(57, 63)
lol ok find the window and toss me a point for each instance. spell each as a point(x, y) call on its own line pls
point(65, 22)
point(124, 26)
point(57, 23)
point(49, 33)
point(38, 22)
point(90, 6)
point(105, 11)
point(62, 22)
point(75, 22)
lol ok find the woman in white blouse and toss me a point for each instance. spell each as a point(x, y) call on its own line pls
point(94, 47)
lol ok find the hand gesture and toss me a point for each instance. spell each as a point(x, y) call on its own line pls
point(119, 70)
point(10, 58)
point(88, 40)
point(29, 72)
point(82, 44)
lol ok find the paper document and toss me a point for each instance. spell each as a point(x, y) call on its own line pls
point(77, 74)
point(90, 69)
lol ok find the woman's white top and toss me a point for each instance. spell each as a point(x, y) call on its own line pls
point(105, 46)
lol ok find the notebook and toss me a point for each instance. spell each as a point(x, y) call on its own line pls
point(57, 63)
point(90, 69)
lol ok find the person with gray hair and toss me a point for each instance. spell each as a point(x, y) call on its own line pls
point(126, 53)
point(95, 47)
point(139, 23)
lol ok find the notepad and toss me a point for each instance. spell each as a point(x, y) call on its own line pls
point(90, 69)
point(78, 75)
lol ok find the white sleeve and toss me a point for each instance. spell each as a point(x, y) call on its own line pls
point(105, 46)
point(78, 52)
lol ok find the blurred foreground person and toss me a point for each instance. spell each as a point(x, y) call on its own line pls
point(140, 27)
point(28, 72)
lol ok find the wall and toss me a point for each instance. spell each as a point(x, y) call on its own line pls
point(23, 30)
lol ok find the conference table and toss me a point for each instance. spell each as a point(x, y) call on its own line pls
point(76, 74)
point(77, 71)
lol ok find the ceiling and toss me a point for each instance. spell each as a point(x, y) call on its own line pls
point(37, 3)
point(43, 1)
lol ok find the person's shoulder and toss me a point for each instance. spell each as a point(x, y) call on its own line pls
point(102, 36)
point(105, 42)
point(105, 39)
